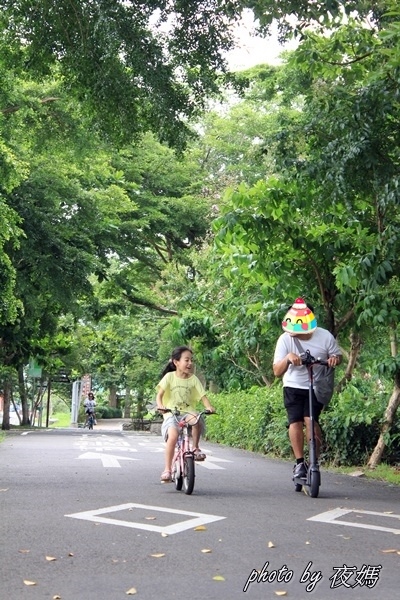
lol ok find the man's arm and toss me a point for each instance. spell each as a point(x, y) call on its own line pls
point(281, 366)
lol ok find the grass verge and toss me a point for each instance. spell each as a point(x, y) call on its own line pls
point(383, 472)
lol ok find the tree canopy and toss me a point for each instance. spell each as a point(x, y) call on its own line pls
point(291, 189)
point(135, 65)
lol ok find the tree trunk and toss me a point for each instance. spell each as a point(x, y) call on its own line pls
point(128, 401)
point(12, 401)
point(355, 348)
point(391, 409)
point(112, 396)
point(6, 405)
point(140, 404)
point(24, 396)
point(390, 414)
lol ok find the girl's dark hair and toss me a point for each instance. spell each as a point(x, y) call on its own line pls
point(175, 355)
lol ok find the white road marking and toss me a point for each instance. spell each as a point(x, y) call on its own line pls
point(103, 443)
point(102, 439)
point(333, 516)
point(196, 520)
point(84, 447)
point(210, 461)
point(108, 460)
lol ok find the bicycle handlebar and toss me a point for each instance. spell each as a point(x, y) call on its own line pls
point(177, 412)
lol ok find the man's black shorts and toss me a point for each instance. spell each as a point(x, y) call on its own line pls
point(297, 404)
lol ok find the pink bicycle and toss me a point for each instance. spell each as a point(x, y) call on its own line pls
point(183, 469)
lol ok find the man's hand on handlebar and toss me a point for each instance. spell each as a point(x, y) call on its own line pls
point(333, 361)
point(294, 359)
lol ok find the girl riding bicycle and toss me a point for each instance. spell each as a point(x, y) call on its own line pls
point(179, 388)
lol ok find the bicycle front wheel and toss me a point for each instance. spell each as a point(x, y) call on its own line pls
point(188, 474)
point(177, 474)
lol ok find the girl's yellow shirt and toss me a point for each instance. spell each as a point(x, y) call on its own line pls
point(182, 394)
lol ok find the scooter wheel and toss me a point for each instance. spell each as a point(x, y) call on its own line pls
point(315, 480)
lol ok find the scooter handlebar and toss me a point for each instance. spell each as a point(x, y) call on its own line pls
point(308, 360)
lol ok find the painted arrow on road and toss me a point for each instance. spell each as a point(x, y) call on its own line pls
point(108, 460)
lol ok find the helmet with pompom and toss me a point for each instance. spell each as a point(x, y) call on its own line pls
point(299, 318)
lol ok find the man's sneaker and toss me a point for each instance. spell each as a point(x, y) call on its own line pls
point(300, 471)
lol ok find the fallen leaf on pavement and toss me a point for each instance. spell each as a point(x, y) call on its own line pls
point(151, 518)
point(200, 528)
point(50, 558)
point(280, 593)
point(164, 535)
point(159, 555)
point(131, 592)
point(56, 597)
point(271, 545)
point(218, 578)
point(391, 550)
point(206, 551)
point(24, 551)
point(27, 582)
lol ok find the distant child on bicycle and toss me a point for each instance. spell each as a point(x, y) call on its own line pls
point(89, 405)
point(179, 388)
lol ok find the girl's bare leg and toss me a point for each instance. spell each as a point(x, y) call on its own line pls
point(170, 447)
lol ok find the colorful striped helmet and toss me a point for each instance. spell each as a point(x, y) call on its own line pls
point(299, 318)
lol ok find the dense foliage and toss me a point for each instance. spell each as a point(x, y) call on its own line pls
point(256, 420)
point(114, 248)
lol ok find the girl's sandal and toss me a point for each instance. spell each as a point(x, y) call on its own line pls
point(198, 454)
point(166, 477)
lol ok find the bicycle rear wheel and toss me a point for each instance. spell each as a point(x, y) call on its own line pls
point(188, 474)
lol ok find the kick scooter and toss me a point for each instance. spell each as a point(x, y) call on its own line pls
point(312, 481)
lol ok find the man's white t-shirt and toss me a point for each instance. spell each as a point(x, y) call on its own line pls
point(321, 345)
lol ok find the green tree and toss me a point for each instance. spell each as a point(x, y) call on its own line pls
point(136, 65)
point(331, 209)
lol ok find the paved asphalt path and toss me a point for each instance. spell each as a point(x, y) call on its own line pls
point(84, 517)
